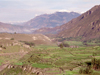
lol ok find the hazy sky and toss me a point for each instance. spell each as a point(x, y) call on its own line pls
point(24, 10)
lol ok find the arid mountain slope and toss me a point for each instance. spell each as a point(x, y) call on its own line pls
point(87, 25)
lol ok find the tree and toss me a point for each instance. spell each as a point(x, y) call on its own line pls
point(65, 44)
point(61, 45)
point(85, 43)
point(12, 39)
point(29, 43)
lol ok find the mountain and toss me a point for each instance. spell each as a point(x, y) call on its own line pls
point(86, 26)
point(46, 20)
point(4, 27)
point(51, 20)
point(45, 30)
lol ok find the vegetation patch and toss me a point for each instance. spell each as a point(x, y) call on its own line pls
point(1, 62)
point(20, 63)
point(41, 65)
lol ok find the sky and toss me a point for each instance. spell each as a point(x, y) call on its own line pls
point(15, 11)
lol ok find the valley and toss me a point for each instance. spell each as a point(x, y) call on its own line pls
point(20, 57)
point(62, 43)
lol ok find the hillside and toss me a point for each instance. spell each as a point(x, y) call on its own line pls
point(51, 20)
point(4, 27)
point(87, 25)
point(50, 60)
point(35, 38)
point(46, 20)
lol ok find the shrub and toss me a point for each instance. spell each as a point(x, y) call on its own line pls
point(86, 70)
point(65, 44)
point(61, 45)
point(96, 63)
point(85, 43)
point(4, 47)
point(12, 39)
point(0, 45)
point(29, 43)
point(33, 59)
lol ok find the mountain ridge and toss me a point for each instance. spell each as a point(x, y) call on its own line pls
point(45, 20)
point(51, 20)
point(86, 26)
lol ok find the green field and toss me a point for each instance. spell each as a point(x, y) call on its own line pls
point(76, 43)
point(50, 59)
point(55, 57)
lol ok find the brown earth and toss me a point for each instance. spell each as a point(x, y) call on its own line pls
point(36, 38)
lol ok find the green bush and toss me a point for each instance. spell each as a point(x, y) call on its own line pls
point(12, 39)
point(86, 70)
point(29, 43)
point(33, 59)
point(96, 63)
point(63, 45)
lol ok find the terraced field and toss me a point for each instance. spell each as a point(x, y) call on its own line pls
point(56, 61)
point(17, 58)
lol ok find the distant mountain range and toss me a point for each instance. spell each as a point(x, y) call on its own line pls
point(86, 25)
point(51, 20)
point(4, 27)
point(45, 20)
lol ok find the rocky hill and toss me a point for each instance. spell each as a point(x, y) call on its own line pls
point(87, 25)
